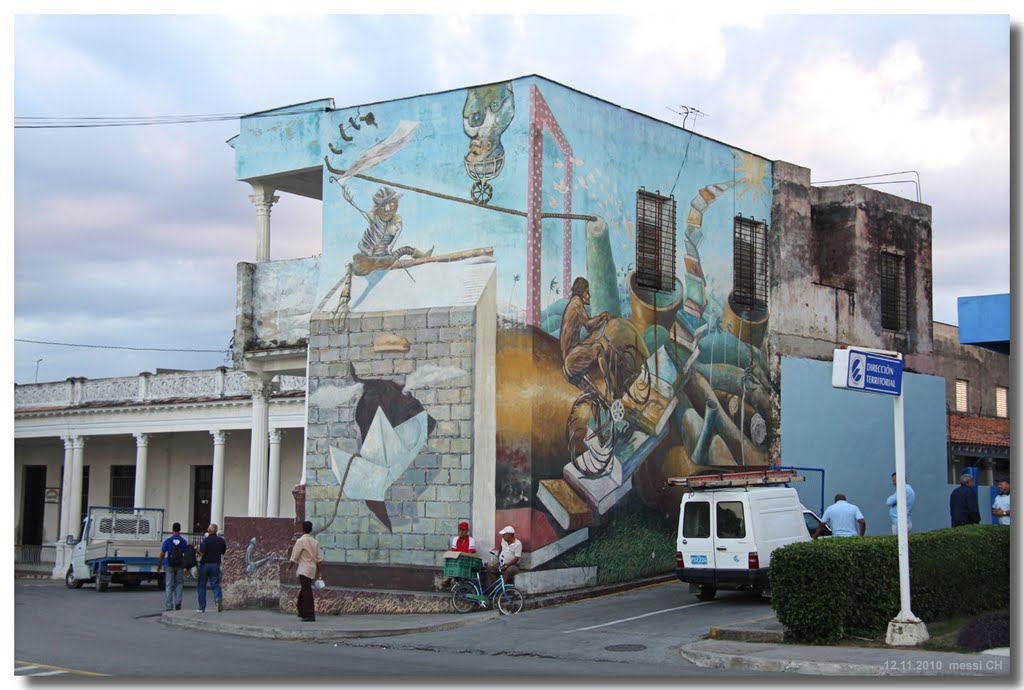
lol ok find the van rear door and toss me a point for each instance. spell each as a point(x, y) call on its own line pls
point(733, 534)
point(695, 542)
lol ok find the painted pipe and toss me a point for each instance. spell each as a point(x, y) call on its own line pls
point(700, 451)
point(604, 290)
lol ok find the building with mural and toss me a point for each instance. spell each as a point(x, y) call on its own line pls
point(532, 307)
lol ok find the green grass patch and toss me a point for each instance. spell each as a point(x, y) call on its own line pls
point(633, 543)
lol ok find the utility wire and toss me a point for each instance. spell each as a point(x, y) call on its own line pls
point(46, 122)
point(117, 347)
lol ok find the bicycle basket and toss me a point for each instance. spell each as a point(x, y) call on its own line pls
point(462, 566)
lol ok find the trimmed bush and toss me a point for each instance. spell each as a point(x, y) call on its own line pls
point(827, 589)
point(987, 631)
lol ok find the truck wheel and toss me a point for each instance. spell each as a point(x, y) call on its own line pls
point(706, 593)
point(101, 584)
point(70, 581)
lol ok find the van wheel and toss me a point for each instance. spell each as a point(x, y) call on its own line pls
point(707, 593)
point(70, 581)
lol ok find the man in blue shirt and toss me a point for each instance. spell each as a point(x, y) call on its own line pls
point(211, 551)
point(844, 519)
point(174, 579)
point(891, 502)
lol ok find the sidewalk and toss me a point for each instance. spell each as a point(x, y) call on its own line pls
point(756, 645)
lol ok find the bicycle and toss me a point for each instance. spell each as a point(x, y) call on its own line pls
point(591, 430)
point(470, 594)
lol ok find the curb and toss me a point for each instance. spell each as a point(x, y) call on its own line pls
point(740, 662)
point(311, 634)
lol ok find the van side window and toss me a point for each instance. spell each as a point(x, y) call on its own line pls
point(697, 520)
point(729, 517)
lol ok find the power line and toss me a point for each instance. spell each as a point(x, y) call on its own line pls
point(118, 347)
point(78, 122)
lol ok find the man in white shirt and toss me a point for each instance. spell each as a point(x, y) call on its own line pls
point(508, 561)
point(1001, 506)
point(844, 519)
point(891, 502)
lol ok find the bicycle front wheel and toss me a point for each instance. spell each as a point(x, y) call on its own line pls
point(510, 601)
point(460, 597)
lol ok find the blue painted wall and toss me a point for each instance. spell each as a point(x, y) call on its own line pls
point(850, 435)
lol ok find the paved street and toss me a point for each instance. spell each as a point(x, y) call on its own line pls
point(633, 634)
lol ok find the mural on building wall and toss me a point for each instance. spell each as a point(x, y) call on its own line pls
point(485, 117)
point(604, 388)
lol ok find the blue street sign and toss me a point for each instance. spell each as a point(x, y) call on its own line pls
point(869, 372)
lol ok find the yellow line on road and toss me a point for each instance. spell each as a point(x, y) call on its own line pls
point(59, 668)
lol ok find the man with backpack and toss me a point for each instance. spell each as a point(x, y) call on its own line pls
point(175, 548)
point(211, 550)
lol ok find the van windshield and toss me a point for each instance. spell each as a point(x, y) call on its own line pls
point(697, 520)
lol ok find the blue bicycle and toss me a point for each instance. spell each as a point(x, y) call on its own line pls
point(470, 594)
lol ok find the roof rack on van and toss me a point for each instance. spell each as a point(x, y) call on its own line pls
point(728, 479)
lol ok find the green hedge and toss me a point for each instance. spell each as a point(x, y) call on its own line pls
point(827, 589)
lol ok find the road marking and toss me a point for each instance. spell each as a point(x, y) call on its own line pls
point(54, 670)
point(48, 673)
point(644, 615)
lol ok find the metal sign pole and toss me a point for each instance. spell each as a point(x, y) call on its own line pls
point(905, 615)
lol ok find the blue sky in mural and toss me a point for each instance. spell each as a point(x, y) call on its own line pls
point(130, 235)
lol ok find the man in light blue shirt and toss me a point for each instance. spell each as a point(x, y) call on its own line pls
point(891, 502)
point(1001, 506)
point(844, 519)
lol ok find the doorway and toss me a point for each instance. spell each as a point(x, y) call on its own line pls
point(202, 492)
point(33, 504)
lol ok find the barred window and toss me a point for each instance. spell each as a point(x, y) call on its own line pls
point(894, 292)
point(655, 241)
point(961, 395)
point(1001, 402)
point(122, 486)
point(749, 263)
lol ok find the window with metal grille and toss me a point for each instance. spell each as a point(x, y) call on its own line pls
point(894, 292)
point(1001, 402)
point(961, 395)
point(122, 486)
point(655, 241)
point(749, 263)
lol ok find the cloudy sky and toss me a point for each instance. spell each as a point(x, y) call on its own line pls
point(129, 236)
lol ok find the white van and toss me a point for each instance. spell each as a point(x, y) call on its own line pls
point(729, 525)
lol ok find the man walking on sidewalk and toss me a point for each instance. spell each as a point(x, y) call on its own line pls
point(211, 551)
point(174, 548)
point(307, 556)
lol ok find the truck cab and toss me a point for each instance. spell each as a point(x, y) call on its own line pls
point(729, 525)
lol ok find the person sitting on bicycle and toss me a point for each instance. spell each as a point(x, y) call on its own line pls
point(579, 355)
point(463, 543)
point(508, 561)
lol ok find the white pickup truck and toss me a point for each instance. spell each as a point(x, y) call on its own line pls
point(119, 545)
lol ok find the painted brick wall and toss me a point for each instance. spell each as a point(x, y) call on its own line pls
point(436, 491)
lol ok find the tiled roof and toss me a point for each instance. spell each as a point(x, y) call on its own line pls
point(979, 431)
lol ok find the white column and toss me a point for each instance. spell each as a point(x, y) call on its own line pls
point(258, 447)
point(74, 525)
point(274, 475)
point(65, 490)
point(141, 459)
point(217, 491)
point(63, 552)
point(263, 198)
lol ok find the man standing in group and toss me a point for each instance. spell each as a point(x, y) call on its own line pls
point(891, 502)
point(963, 503)
point(843, 518)
point(1001, 506)
point(211, 551)
point(174, 579)
point(306, 555)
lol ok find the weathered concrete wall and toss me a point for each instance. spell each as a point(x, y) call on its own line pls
point(825, 272)
point(982, 368)
point(283, 296)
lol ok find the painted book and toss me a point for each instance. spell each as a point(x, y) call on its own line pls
point(565, 506)
point(602, 492)
point(549, 552)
